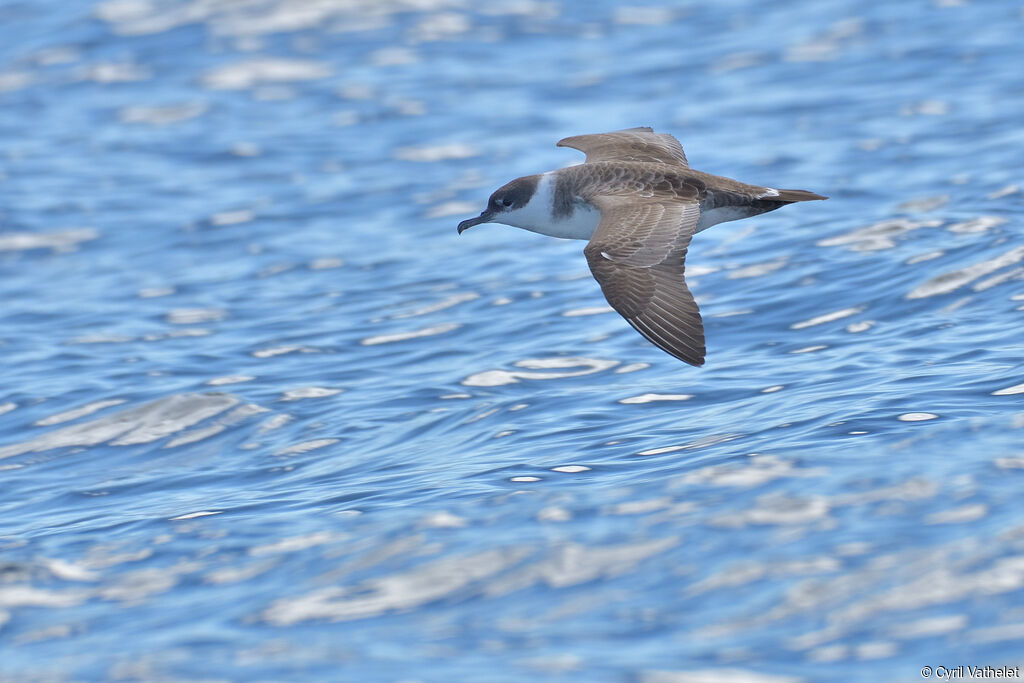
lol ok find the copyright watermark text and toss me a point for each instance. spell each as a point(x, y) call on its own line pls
point(962, 672)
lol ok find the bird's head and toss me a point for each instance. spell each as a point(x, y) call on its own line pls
point(505, 203)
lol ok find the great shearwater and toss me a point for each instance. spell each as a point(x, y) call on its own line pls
point(639, 203)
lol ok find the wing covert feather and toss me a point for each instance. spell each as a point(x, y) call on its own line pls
point(633, 144)
point(637, 255)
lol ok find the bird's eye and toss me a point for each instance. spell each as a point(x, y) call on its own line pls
point(506, 202)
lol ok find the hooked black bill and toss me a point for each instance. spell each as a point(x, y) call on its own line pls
point(485, 217)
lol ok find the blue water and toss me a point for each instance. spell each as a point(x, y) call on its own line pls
point(265, 416)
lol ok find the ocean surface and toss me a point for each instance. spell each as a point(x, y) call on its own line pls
point(264, 416)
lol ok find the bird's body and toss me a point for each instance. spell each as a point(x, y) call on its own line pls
point(637, 202)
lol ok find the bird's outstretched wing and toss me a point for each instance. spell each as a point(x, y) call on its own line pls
point(633, 144)
point(637, 254)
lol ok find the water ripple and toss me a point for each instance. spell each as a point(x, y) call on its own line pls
point(562, 367)
point(141, 424)
point(423, 457)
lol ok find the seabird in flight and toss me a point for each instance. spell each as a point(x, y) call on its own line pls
point(638, 203)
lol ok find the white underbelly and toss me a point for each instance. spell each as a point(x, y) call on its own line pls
point(721, 215)
point(580, 225)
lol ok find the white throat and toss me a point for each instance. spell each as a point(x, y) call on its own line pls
point(537, 215)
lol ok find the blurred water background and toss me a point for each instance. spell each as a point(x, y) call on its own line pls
point(264, 416)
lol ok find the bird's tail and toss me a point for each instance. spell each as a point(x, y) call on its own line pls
point(797, 196)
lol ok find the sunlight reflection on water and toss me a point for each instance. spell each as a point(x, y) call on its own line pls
point(439, 454)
